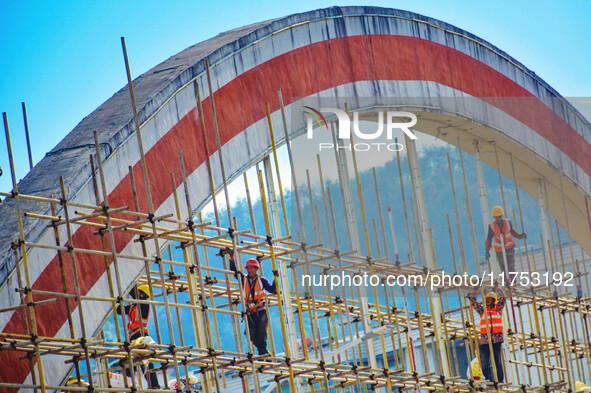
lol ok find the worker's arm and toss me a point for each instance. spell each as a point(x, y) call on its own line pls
point(502, 299)
point(271, 288)
point(127, 307)
point(488, 242)
point(145, 310)
point(474, 303)
point(230, 253)
point(517, 234)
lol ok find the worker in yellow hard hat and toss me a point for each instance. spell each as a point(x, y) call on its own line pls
point(491, 322)
point(501, 230)
point(138, 315)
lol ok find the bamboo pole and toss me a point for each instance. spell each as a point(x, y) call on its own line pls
point(26, 123)
point(23, 249)
point(279, 298)
point(367, 326)
point(149, 197)
point(301, 224)
point(229, 211)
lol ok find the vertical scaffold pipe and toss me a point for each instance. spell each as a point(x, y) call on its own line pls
point(283, 271)
point(469, 209)
point(543, 222)
point(427, 249)
point(301, 224)
point(205, 325)
point(351, 225)
point(460, 298)
point(23, 250)
point(145, 255)
point(409, 343)
point(235, 324)
point(237, 257)
point(149, 197)
point(481, 187)
point(26, 123)
point(363, 299)
point(280, 304)
point(345, 300)
point(75, 274)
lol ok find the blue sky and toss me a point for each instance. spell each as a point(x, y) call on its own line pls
point(64, 59)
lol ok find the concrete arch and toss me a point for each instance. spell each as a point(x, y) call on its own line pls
point(340, 52)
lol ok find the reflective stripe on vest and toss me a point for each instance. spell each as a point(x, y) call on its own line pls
point(133, 322)
point(509, 242)
point(259, 294)
point(495, 321)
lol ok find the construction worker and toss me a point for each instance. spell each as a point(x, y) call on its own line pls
point(491, 322)
point(254, 287)
point(501, 229)
point(137, 326)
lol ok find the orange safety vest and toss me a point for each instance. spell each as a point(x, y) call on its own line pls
point(495, 320)
point(509, 242)
point(133, 321)
point(253, 304)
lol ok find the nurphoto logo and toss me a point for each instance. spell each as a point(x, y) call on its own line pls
point(395, 120)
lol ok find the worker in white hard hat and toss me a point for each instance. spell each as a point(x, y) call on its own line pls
point(501, 230)
point(491, 322)
point(138, 315)
point(255, 288)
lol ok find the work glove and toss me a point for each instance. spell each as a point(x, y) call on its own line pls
point(523, 236)
point(487, 254)
point(226, 251)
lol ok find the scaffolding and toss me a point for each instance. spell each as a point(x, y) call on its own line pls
point(370, 341)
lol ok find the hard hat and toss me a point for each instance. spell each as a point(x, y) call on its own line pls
point(253, 262)
point(492, 295)
point(476, 370)
point(144, 340)
point(497, 211)
point(73, 381)
point(145, 289)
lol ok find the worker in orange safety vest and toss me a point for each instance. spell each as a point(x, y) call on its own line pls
point(491, 321)
point(137, 326)
point(255, 289)
point(503, 233)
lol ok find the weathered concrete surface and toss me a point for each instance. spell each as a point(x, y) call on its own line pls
point(343, 52)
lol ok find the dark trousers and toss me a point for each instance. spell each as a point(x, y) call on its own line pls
point(151, 377)
point(510, 254)
point(257, 324)
point(486, 365)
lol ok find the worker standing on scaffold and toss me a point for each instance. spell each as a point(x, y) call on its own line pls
point(254, 287)
point(137, 326)
point(501, 227)
point(491, 321)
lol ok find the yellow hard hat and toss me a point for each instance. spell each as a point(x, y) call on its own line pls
point(73, 381)
point(476, 370)
point(145, 289)
point(492, 295)
point(497, 211)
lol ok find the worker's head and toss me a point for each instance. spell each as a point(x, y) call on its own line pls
point(491, 298)
point(497, 213)
point(252, 265)
point(141, 292)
